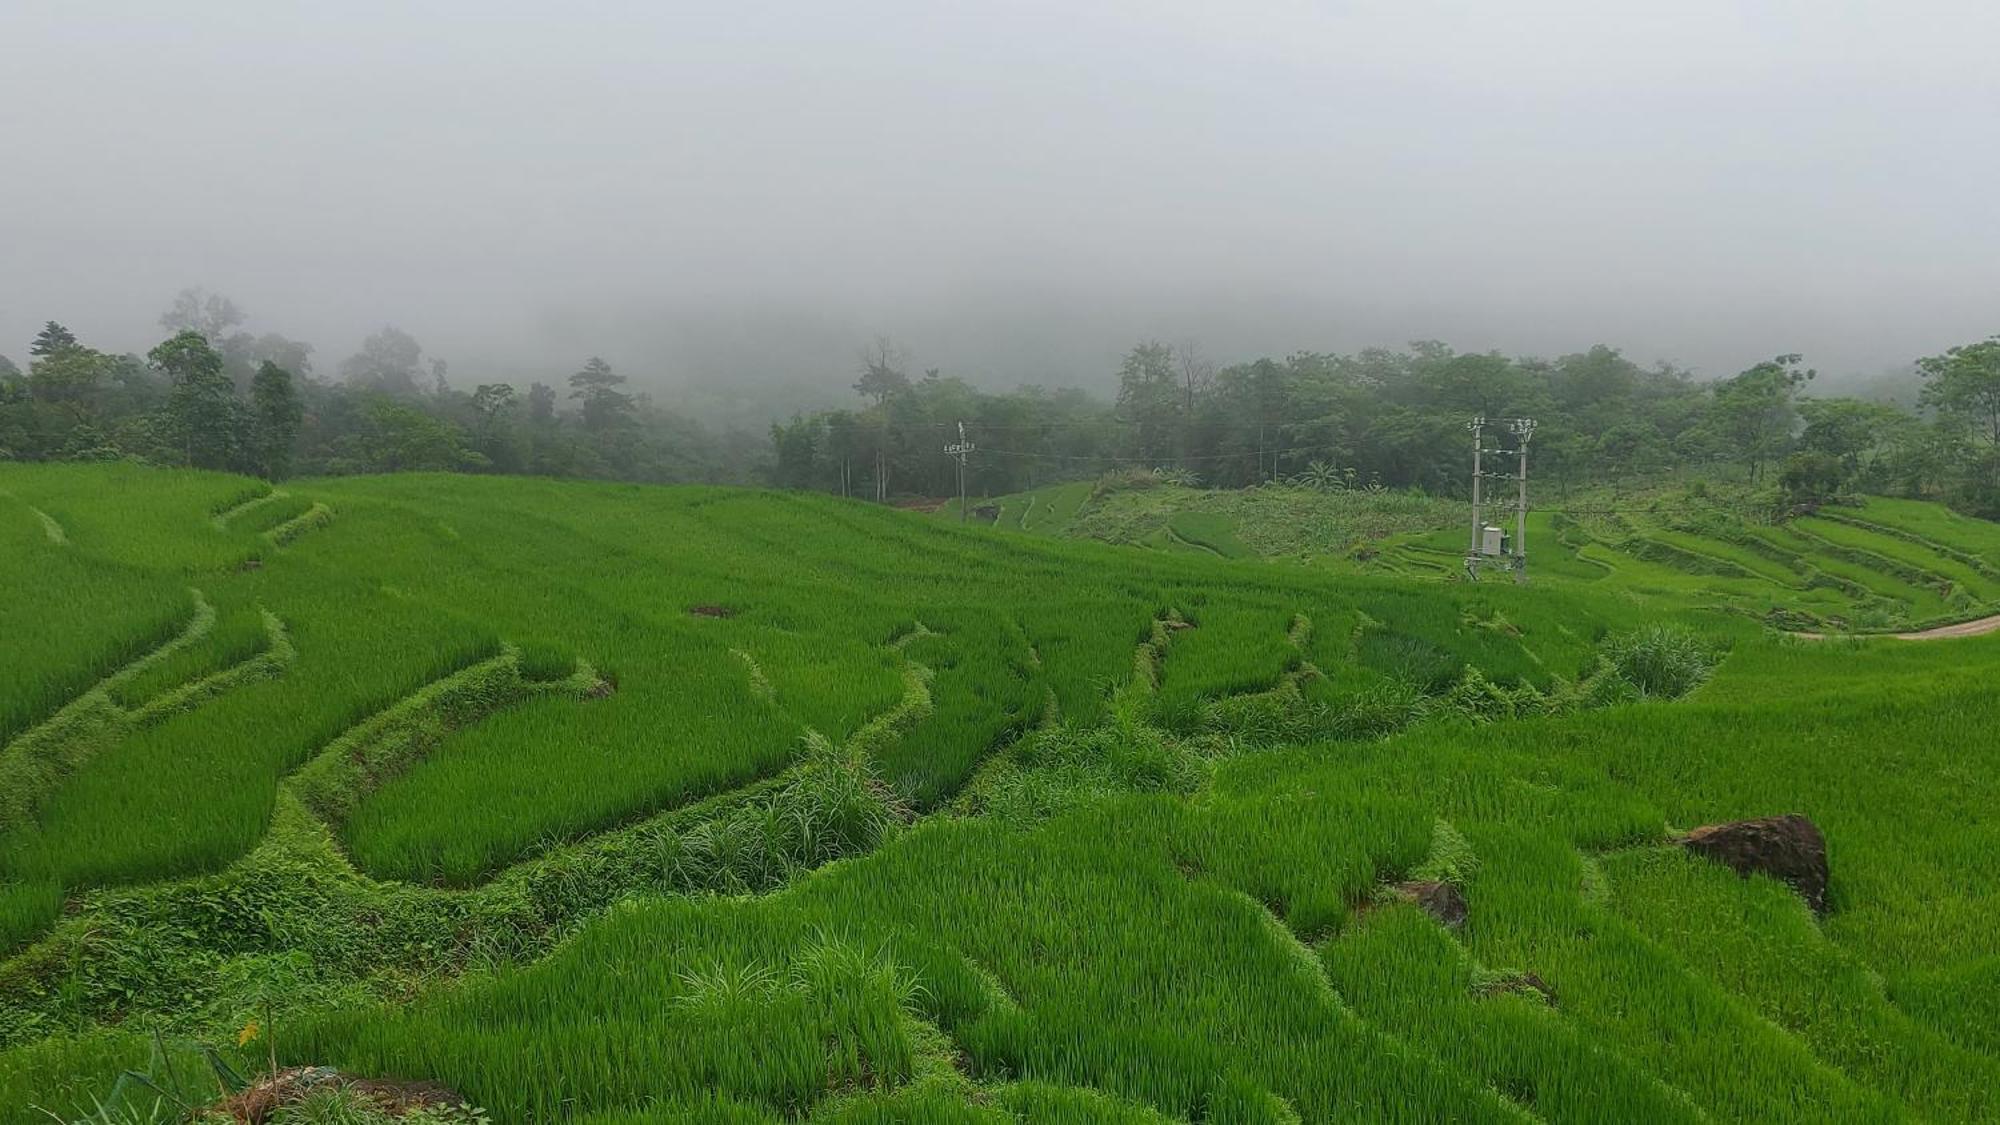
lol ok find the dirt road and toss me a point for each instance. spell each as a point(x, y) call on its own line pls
point(1977, 628)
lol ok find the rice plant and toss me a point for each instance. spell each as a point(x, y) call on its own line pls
point(974, 825)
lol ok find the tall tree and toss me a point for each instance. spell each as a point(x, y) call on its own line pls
point(884, 380)
point(604, 407)
point(797, 445)
point(545, 454)
point(402, 438)
point(1964, 384)
point(70, 379)
point(275, 415)
point(389, 361)
point(495, 435)
point(202, 410)
point(1847, 429)
point(294, 356)
point(1149, 399)
point(216, 319)
point(492, 402)
point(541, 406)
point(1488, 384)
point(1756, 411)
point(883, 374)
point(1197, 374)
point(212, 316)
point(51, 339)
point(844, 442)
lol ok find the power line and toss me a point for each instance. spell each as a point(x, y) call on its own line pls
point(1243, 455)
point(1072, 423)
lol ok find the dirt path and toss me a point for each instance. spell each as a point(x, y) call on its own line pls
point(1978, 628)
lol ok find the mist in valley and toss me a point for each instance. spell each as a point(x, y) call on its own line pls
point(727, 204)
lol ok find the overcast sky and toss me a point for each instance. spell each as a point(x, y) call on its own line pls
point(1016, 190)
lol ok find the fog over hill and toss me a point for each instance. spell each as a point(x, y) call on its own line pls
point(716, 196)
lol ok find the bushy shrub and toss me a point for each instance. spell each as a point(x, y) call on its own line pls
point(1810, 479)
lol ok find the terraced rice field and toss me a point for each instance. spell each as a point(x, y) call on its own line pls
point(1881, 565)
point(605, 803)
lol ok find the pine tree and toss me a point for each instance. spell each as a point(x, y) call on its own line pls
point(605, 407)
point(51, 339)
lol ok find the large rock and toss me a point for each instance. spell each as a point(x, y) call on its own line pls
point(1785, 847)
point(264, 1098)
point(1441, 901)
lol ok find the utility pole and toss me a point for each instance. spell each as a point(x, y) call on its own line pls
point(1473, 552)
point(1522, 429)
point(958, 450)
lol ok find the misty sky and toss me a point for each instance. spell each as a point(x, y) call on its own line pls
point(1016, 190)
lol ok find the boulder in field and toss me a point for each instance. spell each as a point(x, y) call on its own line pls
point(1787, 847)
point(266, 1097)
point(1441, 901)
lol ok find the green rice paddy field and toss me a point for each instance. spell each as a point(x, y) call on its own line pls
point(1875, 565)
point(619, 804)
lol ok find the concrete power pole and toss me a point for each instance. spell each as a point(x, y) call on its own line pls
point(958, 450)
point(1522, 429)
point(1483, 545)
point(1473, 551)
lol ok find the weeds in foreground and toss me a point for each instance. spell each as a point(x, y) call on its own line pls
point(1660, 661)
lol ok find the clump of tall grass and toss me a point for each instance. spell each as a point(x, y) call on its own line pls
point(842, 976)
point(1660, 661)
point(830, 808)
point(1285, 715)
point(1056, 769)
point(1480, 699)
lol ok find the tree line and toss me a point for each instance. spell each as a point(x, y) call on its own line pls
point(1397, 418)
point(212, 395)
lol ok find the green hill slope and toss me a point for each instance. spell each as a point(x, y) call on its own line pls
point(552, 792)
point(1880, 566)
